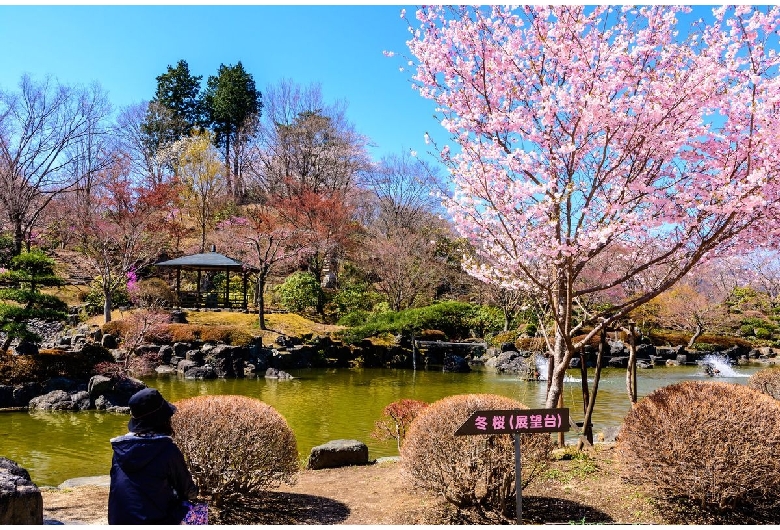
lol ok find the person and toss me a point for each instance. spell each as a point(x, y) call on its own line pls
point(150, 482)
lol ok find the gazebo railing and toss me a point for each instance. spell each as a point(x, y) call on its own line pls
point(211, 300)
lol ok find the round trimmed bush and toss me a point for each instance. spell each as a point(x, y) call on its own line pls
point(236, 447)
point(710, 447)
point(766, 381)
point(470, 471)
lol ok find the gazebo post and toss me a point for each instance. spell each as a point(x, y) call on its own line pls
point(178, 286)
point(197, 295)
point(243, 288)
point(227, 288)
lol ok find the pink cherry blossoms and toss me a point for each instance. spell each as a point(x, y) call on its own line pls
point(602, 151)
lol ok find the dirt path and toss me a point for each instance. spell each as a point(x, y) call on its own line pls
point(576, 490)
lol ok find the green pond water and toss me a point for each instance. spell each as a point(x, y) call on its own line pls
point(319, 405)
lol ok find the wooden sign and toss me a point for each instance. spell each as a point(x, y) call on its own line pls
point(515, 421)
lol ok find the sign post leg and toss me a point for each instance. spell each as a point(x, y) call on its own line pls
point(518, 481)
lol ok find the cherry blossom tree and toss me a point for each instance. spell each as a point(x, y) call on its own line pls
point(590, 135)
point(119, 234)
point(262, 239)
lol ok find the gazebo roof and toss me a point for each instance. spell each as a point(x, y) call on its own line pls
point(204, 262)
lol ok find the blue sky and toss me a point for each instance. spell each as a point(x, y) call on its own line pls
point(125, 48)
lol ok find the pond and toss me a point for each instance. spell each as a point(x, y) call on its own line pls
point(319, 405)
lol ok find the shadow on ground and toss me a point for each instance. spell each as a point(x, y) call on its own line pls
point(540, 510)
point(286, 508)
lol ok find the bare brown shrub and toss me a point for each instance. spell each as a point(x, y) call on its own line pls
point(153, 293)
point(766, 381)
point(236, 447)
point(470, 471)
point(708, 446)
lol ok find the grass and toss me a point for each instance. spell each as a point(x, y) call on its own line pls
point(277, 323)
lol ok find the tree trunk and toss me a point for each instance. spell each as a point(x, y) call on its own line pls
point(587, 426)
point(18, 236)
point(261, 300)
point(631, 370)
point(557, 373)
point(697, 332)
point(107, 303)
point(584, 383)
point(228, 174)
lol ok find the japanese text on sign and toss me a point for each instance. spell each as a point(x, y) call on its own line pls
point(515, 421)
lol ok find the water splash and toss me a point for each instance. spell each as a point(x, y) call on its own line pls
point(541, 367)
point(719, 366)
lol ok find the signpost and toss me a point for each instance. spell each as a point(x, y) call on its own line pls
point(516, 422)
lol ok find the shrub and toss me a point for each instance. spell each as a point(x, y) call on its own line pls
point(762, 333)
point(766, 381)
point(16, 369)
point(504, 336)
point(116, 328)
point(452, 318)
point(299, 292)
point(470, 471)
point(396, 419)
point(95, 298)
point(702, 446)
point(354, 318)
point(171, 333)
point(236, 447)
point(431, 335)
point(153, 292)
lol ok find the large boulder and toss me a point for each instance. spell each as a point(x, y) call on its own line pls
point(61, 400)
point(200, 372)
point(338, 453)
point(21, 501)
point(113, 393)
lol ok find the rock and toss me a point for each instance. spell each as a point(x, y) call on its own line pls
point(166, 353)
point(114, 391)
point(338, 453)
point(178, 317)
point(7, 397)
point(60, 383)
point(617, 362)
point(180, 349)
point(455, 363)
point(25, 392)
point(165, 369)
point(103, 403)
point(645, 351)
point(99, 384)
point(61, 400)
point(200, 372)
point(185, 365)
point(109, 341)
point(273, 373)
point(26, 348)
point(21, 501)
point(511, 362)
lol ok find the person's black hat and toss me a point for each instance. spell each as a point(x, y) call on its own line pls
point(149, 411)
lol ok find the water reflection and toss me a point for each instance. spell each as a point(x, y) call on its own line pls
point(319, 405)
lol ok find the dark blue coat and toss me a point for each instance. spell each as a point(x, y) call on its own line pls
point(149, 481)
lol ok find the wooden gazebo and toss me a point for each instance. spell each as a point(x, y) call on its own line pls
point(209, 262)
